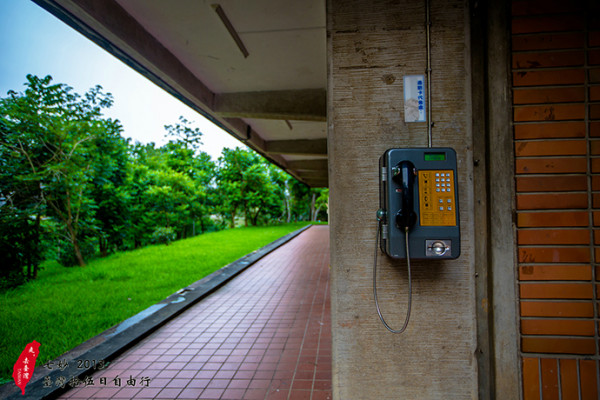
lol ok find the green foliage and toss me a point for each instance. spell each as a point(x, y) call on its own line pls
point(249, 187)
point(321, 204)
point(108, 169)
point(66, 306)
point(12, 277)
point(182, 132)
point(163, 235)
point(72, 188)
point(46, 135)
point(66, 255)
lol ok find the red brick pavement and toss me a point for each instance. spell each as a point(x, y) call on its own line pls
point(264, 335)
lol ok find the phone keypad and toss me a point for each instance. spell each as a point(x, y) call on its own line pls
point(437, 198)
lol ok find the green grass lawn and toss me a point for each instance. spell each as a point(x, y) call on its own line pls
point(64, 307)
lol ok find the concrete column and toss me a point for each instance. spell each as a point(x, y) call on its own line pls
point(372, 45)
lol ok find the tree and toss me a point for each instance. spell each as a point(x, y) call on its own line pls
point(136, 183)
point(231, 182)
point(184, 133)
point(264, 198)
point(110, 166)
point(184, 155)
point(49, 133)
point(169, 196)
point(200, 169)
point(204, 174)
point(320, 201)
point(21, 209)
point(66, 172)
point(300, 199)
point(246, 187)
point(282, 179)
point(249, 186)
point(168, 190)
point(307, 202)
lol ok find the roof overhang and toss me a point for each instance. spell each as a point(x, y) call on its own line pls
point(255, 68)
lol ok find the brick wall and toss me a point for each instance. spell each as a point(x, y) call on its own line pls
point(556, 117)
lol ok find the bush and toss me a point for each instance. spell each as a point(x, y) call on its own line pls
point(66, 255)
point(163, 234)
point(12, 280)
point(21, 249)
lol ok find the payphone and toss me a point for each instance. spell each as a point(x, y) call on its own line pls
point(418, 214)
point(418, 192)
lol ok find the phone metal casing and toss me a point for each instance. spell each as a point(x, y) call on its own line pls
point(423, 235)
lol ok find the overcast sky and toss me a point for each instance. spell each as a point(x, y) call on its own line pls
point(32, 41)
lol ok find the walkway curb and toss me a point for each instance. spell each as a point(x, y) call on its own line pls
point(112, 342)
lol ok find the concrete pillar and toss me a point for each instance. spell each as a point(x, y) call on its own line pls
point(372, 45)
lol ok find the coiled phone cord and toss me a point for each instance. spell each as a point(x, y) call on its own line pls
point(375, 282)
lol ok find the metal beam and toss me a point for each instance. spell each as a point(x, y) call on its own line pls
point(299, 105)
point(315, 147)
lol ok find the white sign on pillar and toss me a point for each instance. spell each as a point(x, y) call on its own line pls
point(414, 98)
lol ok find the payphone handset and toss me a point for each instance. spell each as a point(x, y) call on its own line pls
point(418, 196)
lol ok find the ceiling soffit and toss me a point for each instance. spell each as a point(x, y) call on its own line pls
point(274, 99)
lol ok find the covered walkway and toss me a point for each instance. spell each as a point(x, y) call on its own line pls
point(264, 335)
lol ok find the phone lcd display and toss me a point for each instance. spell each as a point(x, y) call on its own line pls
point(435, 156)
